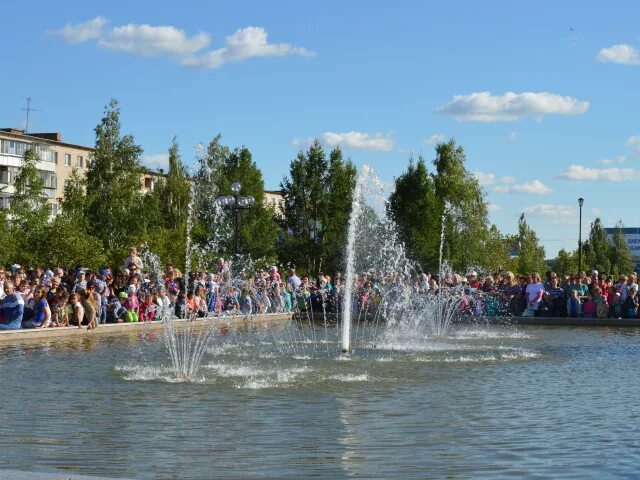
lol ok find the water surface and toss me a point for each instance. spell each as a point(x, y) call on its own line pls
point(493, 402)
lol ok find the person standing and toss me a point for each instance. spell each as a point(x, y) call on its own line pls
point(533, 294)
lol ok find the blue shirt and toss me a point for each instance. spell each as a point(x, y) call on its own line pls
point(38, 312)
point(11, 311)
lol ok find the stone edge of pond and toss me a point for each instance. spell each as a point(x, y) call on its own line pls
point(15, 336)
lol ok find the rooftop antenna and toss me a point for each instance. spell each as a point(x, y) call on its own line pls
point(28, 110)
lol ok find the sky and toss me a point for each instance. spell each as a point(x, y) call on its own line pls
point(544, 97)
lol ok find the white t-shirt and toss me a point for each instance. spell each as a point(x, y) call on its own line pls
point(80, 311)
point(533, 290)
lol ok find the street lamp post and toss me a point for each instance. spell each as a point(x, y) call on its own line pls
point(236, 203)
point(580, 203)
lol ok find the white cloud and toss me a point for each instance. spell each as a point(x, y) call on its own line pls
point(493, 207)
point(633, 140)
point(245, 43)
point(557, 213)
point(485, 178)
point(147, 40)
point(508, 180)
point(611, 161)
point(534, 187)
point(633, 143)
point(174, 43)
point(485, 107)
point(156, 162)
point(594, 211)
point(512, 136)
point(587, 174)
point(621, 53)
point(359, 141)
point(435, 138)
point(81, 32)
point(351, 140)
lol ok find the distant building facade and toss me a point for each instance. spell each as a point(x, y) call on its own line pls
point(632, 236)
point(275, 199)
point(57, 159)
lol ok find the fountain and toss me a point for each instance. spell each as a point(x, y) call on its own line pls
point(356, 208)
point(373, 247)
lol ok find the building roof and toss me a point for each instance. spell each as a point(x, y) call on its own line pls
point(53, 138)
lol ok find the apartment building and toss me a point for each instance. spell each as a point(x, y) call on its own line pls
point(57, 159)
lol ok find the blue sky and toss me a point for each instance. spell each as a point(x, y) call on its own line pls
point(544, 97)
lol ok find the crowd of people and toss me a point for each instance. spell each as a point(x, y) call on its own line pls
point(41, 298)
point(594, 295)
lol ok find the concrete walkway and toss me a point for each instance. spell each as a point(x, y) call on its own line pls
point(15, 336)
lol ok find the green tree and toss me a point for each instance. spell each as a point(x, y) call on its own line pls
point(114, 199)
point(496, 251)
point(166, 210)
point(596, 249)
point(421, 200)
point(317, 204)
point(304, 200)
point(464, 204)
point(417, 212)
point(531, 254)
point(341, 179)
point(566, 263)
point(175, 190)
point(619, 253)
point(7, 245)
point(69, 241)
point(73, 201)
point(29, 212)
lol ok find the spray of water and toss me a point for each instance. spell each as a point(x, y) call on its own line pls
point(356, 208)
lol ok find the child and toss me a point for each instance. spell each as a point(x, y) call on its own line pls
point(77, 316)
point(245, 302)
point(286, 297)
point(630, 307)
point(602, 307)
point(147, 308)
point(61, 311)
point(117, 308)
point(265, 300)
point(231, 302)
point(131, 304)
point(589, 308)
point(616, 305)
point(574, 305)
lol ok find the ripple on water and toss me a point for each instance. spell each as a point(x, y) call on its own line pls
point(152, 373)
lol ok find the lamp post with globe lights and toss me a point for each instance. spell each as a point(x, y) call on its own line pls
point(236, 203)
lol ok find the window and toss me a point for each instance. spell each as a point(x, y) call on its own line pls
point(67, 159)
point(11, 147)
point(50, 180)
point(46, 154)
point(8, 175)
point(79, 161)
point(5, 202)
point(148, 183)
point(54, 209)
